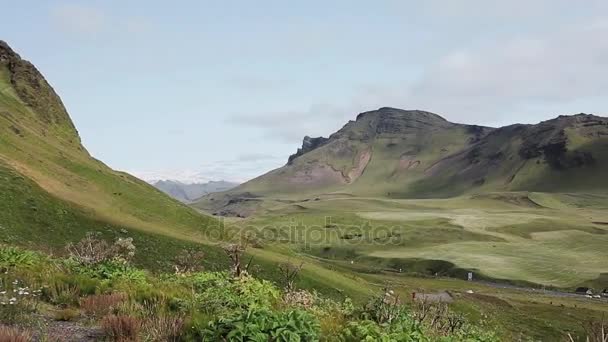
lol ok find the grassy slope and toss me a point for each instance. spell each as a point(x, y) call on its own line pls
point(53, 192)
point(521, 238)
point(54, 159)
point(502, 235)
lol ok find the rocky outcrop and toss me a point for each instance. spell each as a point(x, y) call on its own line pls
point(308, 144)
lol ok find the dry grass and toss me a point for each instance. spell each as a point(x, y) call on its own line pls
point(101, 305)
point(164, 328)
point(8, 334)
point(121, 328)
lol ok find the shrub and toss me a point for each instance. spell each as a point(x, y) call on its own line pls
point(384, 308)
point(217, 293)
point(110, 270)
point(300, 298)
point(121, 328)
point(265, 325)
point(289, 274)
point(100, 305)
point(188, 261)
point(8, 334)
point(92, 250)
point(401, 329)
point(61, 293)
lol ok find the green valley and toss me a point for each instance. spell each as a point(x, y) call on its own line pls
point(367, 235)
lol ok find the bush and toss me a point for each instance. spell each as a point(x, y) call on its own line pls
point(220, 293)
point(188, 261)
point(265, 325)
point(92, 250)
point(61, 293)
point(109, 270)
point(299, 298)
point(402, 329)
point(8, 334)
point(121, 328)
point(384, 308)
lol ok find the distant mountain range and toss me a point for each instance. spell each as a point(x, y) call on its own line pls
point(399, 153)
point(187, 193)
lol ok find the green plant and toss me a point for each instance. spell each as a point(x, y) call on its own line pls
point(110, 270)
point(402, 329)
point(196, 325)
point(15, 257)
point(61, 293)
point(265, 325)
point(218, 292)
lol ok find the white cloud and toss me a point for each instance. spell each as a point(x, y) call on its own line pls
point(89, 20)
point(79, 19)
point(508, 77)
point(522, 79)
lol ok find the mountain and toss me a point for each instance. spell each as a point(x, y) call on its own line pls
point(398, 153)
point(188, 192)
point(53, 191)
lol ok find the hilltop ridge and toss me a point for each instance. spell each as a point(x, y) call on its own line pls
point(398, 153)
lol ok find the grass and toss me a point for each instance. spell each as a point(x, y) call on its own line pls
point(502, 237)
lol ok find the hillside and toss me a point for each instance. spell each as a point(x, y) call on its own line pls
point(396, 153)
point(52, 190)
point(188, 192)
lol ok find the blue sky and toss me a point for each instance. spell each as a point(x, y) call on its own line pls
point(199, 90)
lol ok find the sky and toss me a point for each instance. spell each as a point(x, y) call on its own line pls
point(208, 90)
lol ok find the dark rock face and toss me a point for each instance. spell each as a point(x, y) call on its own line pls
point(308, 144)
point(549, 140)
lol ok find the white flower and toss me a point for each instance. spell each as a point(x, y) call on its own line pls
point(3, 292)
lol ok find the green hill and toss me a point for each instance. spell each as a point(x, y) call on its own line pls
point(52, 190)
point(394, 153)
